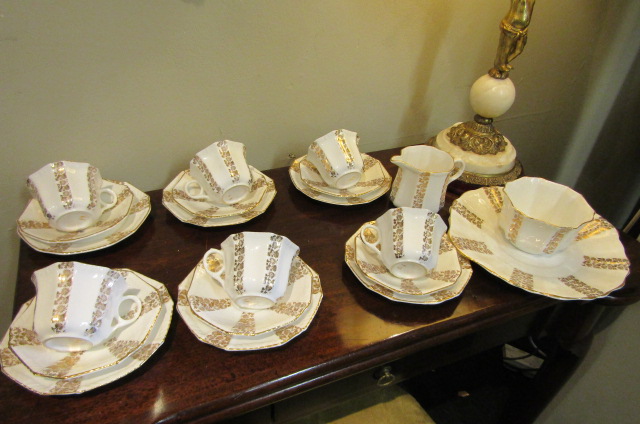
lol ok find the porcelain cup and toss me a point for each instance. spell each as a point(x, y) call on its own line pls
point(542, 217)
point(406, 240)
point(71, 195)
point(337, 158)
point(220, 173)
point(424, 174)
point(252, 267)
point(79, 305)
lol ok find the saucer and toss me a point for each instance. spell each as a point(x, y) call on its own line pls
point(138, 212)
point(211, 335)
point(451, 292)
point(593, 266)
point(13, 368)
point(375, 182)
point(209, 301)
point(23, 341)
point(443, 275)
point(33, 223)
point(373, 177)
point(202, 208)
point(204, 214)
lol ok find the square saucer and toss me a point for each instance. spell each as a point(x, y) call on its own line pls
point(373, 177)
point(433, 298)
point(13, 368)
point(443, 275)
point(136, 215)
point(208, 299)
point(213, 336)
point(376, 182)
point(205, 209)
point(593, 266)
point(205, 214)
point(34, 224)
point(45, 362)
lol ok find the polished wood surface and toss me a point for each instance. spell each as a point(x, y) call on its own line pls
point(354, 329)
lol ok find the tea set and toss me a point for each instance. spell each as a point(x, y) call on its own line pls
point(253, 293)
point(73, 210)
point(540, 236)
point(334, 171)
point(219, 188)
point(88, 325)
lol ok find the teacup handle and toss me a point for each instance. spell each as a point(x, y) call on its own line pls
point(113, 198)
point(458, 169)
point(122, 321)
point(194, 185)
point(372, 245)
point(216, 275)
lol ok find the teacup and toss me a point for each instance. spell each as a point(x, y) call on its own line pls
point(542, 217)
point(252, 267)
point(407, 240)
point(79, 305)
point(337, 158)
point(220, 173)
point(71, 195)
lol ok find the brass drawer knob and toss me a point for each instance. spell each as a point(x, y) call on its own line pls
point(386, 377)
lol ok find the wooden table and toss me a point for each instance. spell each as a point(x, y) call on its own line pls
point(355, 330)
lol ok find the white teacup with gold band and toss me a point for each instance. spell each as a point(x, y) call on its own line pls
point(72, 195)
point(220, 173)
point(77, 305)
point(406, 240)
point(542, 217)
point(337, 158)
point(424, 173)
point(252, 267)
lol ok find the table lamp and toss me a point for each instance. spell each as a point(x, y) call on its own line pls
point(489, 156)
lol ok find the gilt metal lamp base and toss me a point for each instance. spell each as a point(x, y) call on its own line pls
point(481, 179)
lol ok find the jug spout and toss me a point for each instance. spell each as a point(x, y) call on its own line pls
point(397, 160)
point(402, 162)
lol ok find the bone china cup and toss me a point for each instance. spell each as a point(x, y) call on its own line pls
point(220, 173)
point(406, 240)
point(78, 305)
point(253, 268)
point(71, 195)
point(542, 217)
point(337, 158)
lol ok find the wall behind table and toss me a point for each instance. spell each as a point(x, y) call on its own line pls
point(137, 87)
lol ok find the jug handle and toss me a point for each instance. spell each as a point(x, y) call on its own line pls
point(458, 169)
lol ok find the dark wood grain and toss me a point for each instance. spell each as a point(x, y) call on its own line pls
point(354, 329)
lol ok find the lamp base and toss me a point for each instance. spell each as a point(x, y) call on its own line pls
point(481, 170)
